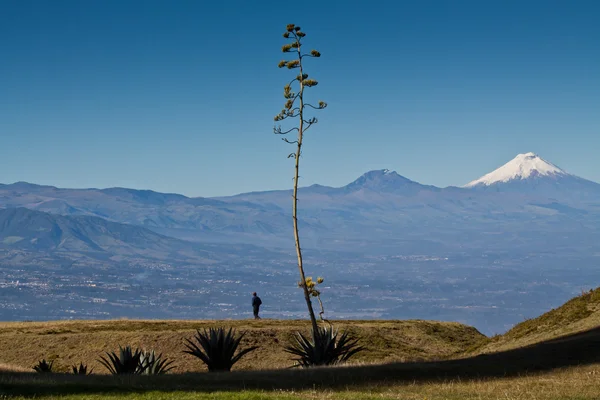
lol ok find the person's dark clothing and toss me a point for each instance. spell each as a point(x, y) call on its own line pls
point(256, 302)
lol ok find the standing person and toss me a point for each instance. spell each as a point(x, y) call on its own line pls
point(256, 302)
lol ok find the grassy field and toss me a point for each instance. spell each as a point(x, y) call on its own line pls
point(570, 383)
point(22, 344)
point(562, 368)
point(555, 356)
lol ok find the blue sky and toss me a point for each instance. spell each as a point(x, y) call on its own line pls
point(179, 96)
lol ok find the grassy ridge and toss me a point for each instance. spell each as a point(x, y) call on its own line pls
point(537, 365)
point(22, 344)
point(533, 360)
point(578, 314)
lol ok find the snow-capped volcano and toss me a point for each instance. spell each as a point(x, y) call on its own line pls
point(522, 167)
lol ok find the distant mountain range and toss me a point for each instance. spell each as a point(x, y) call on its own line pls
point(41, 233)
point(380, 208)
point(27, 229)
point(504, 247)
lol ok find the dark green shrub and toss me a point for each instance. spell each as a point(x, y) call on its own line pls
point(216, 348)
point(153, 364)
point(81, 370)
point(126, 362)
point(327, 347)
point(43, 366)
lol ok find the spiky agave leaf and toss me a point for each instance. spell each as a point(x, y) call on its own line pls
point(160, 366)
point(216, 348)
point(81, 370)
point(325, 348)
point(43, 366)
point(347, 346)
point(112, 363)
point(153, 364)
point(127, 362)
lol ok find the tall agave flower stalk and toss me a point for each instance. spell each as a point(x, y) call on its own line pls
point(296, 107)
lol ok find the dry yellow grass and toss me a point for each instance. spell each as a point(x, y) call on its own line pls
point(573, 351)
point(70, 342)
point(567, 383)
point(545, 371)
point(541, 364)
point(15, 368)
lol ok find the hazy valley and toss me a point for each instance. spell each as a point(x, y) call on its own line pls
point(506, 247)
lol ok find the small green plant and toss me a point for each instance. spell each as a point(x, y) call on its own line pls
point(43, 366)
point(81, 370)
point(126, 362)
point(153, 364)
point(327, 347)
point(216, 348)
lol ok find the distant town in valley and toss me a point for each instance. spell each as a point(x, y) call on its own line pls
point(504, 248)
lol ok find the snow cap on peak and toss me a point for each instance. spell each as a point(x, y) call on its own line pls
point(383, 180)
point(523, 166)
point(379, 172)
